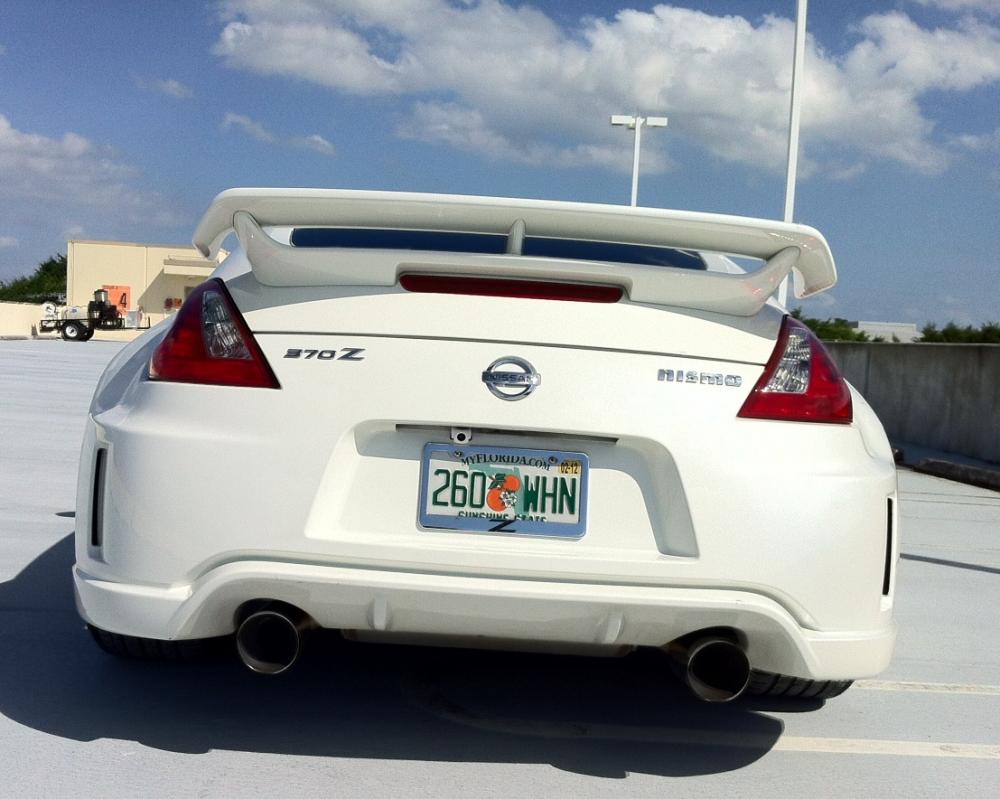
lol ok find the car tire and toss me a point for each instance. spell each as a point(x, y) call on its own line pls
point(763, 683)
point(74, 331)
point(198, 650)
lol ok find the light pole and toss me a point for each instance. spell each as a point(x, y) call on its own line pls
point(635, 123)
point(795, 112)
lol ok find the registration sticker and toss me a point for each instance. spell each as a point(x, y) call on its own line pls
point(535, 492)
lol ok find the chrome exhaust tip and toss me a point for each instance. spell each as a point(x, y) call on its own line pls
point(716, 669)
point(269, 640)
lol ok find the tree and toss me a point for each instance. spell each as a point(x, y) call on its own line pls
point(841, 330)
point(46, 284)
point(951, 333)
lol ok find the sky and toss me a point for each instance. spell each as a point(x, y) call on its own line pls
point(121, 120)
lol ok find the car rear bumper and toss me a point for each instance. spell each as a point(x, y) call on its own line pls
point(467, 606)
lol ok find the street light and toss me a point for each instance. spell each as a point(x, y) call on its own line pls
point(635, 123)
point(794, 113)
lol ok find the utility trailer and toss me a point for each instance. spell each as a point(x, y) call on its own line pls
point(73, 325)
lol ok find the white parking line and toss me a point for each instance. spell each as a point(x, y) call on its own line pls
point(928, 687)
point(873, 746)
point(431, 699)
point(718, 738)
point(752, 740)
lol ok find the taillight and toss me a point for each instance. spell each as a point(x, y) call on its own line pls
point(800, 383)
point(211, 343)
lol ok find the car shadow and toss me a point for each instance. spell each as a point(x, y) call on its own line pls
point(595, 716)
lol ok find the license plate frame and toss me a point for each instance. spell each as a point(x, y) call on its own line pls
point(532, 497)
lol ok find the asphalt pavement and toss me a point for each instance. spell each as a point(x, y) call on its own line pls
point(359, 720)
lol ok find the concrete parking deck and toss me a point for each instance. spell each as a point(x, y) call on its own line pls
point(369, 721)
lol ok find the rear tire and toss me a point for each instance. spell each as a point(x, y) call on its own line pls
point(763, 683)
point(197, 650)
point(74, 331)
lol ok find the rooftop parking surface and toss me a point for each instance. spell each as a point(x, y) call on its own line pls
point(369, 720)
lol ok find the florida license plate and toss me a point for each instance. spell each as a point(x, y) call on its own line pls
point(536, 492)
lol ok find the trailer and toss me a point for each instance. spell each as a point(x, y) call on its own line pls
point(75, 324)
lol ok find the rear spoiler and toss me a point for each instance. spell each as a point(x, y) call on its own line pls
point(783, 246)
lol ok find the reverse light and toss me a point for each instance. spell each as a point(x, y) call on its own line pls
point(210, 343)
point(801, 383)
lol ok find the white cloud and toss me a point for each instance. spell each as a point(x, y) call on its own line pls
point(247, 127)
point(255, 130)
point(511, 83)
point(961, 6)
point(846, 172)
point(50, 183)
point(897, 54)
point(168, 86)
point(979, 142)
point(287, 48)
point(8, 241)
point(314, 142)
point(468, 129)
point(71, 171)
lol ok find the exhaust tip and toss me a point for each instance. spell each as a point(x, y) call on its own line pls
point(269, 641)
point(718, 670)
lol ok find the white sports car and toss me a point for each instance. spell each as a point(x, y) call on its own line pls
point(493, 422)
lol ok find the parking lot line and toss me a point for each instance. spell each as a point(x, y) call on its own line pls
point(928, 687)
point(872, 746)
point(717, 738)
point(431, 698)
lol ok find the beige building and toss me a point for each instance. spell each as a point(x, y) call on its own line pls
point(904, 332)
point(148, 282)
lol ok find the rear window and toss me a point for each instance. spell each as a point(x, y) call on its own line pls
point(496, 244)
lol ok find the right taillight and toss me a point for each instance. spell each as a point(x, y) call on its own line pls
point(800, 383)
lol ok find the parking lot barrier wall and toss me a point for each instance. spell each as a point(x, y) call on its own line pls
point(940, 396)
point(19, 319)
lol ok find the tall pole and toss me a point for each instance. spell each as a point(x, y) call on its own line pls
point(794, 116)
point(635, 159)
point(636, 123)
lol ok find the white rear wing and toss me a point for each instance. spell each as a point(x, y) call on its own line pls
point(783, 246)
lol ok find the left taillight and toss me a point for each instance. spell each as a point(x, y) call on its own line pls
point(211, 344)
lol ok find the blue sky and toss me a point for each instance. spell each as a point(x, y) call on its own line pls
point(122, 120)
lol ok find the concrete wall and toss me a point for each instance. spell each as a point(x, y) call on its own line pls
point(942, 396)
point(18, 318)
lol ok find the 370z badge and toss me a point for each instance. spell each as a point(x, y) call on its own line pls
point(343, 354)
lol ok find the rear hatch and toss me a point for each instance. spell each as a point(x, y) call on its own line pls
point(371, 377)
point(388, 392)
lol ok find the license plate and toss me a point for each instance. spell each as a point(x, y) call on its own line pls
point(537, 492)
